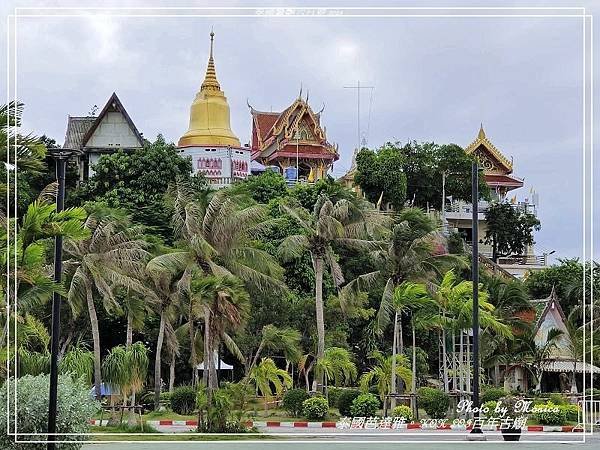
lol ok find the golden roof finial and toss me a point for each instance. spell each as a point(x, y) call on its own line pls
point(481, 134)
point(210, 80)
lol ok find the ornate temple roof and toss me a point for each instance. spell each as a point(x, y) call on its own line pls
point(276, 132)
point(482, 141)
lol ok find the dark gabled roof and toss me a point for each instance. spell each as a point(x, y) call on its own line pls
point(550, 301)
point(77, 127)
point(113, 104)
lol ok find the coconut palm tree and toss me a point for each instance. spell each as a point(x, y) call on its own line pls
point(217, 238)
point(285, 340)
point(406, 297)
point(224, 305)
point(111, 257)
point(170, 292)
point(267, 376)
point(329, 225)
point(380, 374)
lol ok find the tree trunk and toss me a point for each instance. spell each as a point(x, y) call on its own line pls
point(193, 358)
point(255, 359)
point(496, 375)
point(129, 338)
point(394, 385)
point(158, 360)
point(96, 339)
point(414, 371)
point(207, 348)
point(320, 320)
point(461, 365)
point(172, 373)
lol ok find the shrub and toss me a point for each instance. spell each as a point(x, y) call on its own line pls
point(345, 401)
point(549, 417)
point(557, 399)
point(571, 412)
point(365, 405)
point(333, 394)
point(75, 407)
point(315, 408)
point(491, 406)
point(293, 401)
point(403, 411)
point(183, 400)
point(434, 402)
point(493, 393)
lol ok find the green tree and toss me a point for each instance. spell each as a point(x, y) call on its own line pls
point(380, 374)
point(285, 340)
point(408, 296)
point(269, 379)
point(264, 187)
point(379, 175)
point(337, 365)
point(130, 181)
point(113, 256)
point(341, 223)
point(509, 230)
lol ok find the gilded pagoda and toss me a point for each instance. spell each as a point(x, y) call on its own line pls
point(294, 141)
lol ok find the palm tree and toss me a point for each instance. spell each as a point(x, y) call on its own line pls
point(285, 340)
point(111, 257)
point(224, 304)
point(337, 365)
point(267, 376)
point(170, 292)
point(330, 224)
point(406, 297)
point(79, 363)
point(380, 374)
point(218, 239)
point(125, 369)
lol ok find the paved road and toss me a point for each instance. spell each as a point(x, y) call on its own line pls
point(450, 441)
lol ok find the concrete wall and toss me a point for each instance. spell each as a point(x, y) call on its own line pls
point(113, 131)
point(223, 163)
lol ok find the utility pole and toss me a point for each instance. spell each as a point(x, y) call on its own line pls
point(358, 87)
point(475, 280)
point(61, 156)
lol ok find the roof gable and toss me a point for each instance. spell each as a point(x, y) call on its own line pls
point(77, 127)
point(553, 317)
point(492, 159)
point(112, 105)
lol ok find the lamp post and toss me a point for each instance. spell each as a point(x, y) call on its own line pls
point(475, 280)
point(60, 156)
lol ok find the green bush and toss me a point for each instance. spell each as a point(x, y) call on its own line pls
point(333, 394)
point(571, 412)
point(403, 411)
point(365, 405)
point(491, 406)
point(550, 417)
point(492, 393)
point(183, 400)
point(434, 401)
point(293, 401)
point(557, 399)
point(315, 408)
point(345, 401)
point(75, 407)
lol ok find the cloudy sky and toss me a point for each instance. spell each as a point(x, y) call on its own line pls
point(435, 79)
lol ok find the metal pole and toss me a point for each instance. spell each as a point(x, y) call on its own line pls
point(475, 279)
point(60, 158)
point(358, 112)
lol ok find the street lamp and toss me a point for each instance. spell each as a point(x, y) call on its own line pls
point(60, 156)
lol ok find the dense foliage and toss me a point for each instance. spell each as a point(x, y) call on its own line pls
point(75, 407)
point(315, 408)
point(183, 400)
point(434, 401)
point(365, 405)
point(293, 401)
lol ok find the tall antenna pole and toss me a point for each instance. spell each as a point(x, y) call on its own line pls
point(358, 87)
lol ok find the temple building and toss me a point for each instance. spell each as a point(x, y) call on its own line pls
point(93, 136)
point(214, 148)
point(294, 141)
point(497, 170)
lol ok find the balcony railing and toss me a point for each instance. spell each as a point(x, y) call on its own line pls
point(464, 208)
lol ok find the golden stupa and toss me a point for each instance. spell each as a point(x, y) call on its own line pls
point(209, 113)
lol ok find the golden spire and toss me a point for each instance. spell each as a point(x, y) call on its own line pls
point(209, 114)
point(210, 80)
point(481, 134)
